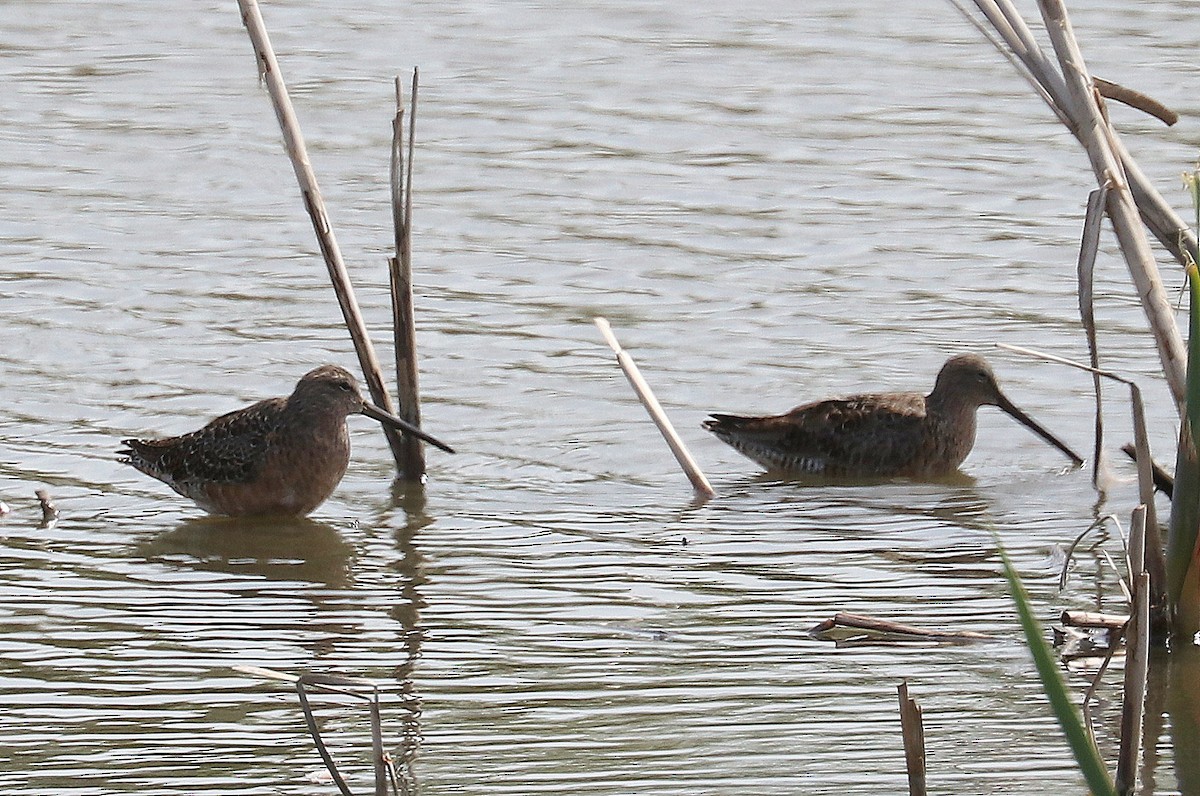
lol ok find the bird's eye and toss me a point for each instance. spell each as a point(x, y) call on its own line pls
point(344, 386)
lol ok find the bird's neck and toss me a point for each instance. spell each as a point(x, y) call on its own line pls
point(315, 415)
point(953, 425)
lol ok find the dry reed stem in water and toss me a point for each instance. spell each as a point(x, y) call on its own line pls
point(1155, 556)
point(646, 396)
point(1098, 139)
point(1137, 657)
point(298, 154)
point(913, 730)
point(1093, 619)
point(408, 392)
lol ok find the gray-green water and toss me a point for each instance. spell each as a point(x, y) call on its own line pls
point(770, 203)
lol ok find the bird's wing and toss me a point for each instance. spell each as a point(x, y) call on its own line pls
point(862, 435)
point(227, 450)
point(866, 433)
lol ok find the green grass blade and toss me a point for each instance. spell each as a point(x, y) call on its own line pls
point(1185, 501)
point(1193, 371)
point(1086, 755)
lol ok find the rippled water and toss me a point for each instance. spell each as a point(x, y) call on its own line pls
point(771, 204)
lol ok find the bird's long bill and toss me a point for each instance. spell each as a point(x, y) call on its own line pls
point(1016, 414)
point(375, 413)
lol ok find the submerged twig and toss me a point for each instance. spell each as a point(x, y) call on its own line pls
point(346, 686)
point(1114, 640)
point(1097, 523)
point(1163, 481)
point(646, 396)
point(310, 721)
point(886, 626)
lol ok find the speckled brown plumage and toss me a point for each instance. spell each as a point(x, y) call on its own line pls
point(881, 434)
point(278, 456)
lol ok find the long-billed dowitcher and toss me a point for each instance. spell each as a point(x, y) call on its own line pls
point(879, 435)
point(279, 456)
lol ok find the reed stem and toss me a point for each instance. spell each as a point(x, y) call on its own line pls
point(654, 408)
point(297, 152)
point(913, 729)
point(408, 393)
point(1137, 657)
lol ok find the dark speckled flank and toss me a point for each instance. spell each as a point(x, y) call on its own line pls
point(879, 435)
point(279, 456)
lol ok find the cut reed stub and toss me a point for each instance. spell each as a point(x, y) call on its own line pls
point(912, 727)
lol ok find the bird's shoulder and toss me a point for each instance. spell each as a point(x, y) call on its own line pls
point(229, 449)
point(882, 410)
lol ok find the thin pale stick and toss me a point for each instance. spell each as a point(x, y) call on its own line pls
point(1093, 619)
point(646, 396)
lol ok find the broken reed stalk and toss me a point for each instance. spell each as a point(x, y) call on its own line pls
point(408, 393)
point(293, 141)
point(1071, 96)
point(1137, 658)
point(1135, 99)
point(654, 408)
point(1088, 247)
point(913, 730)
